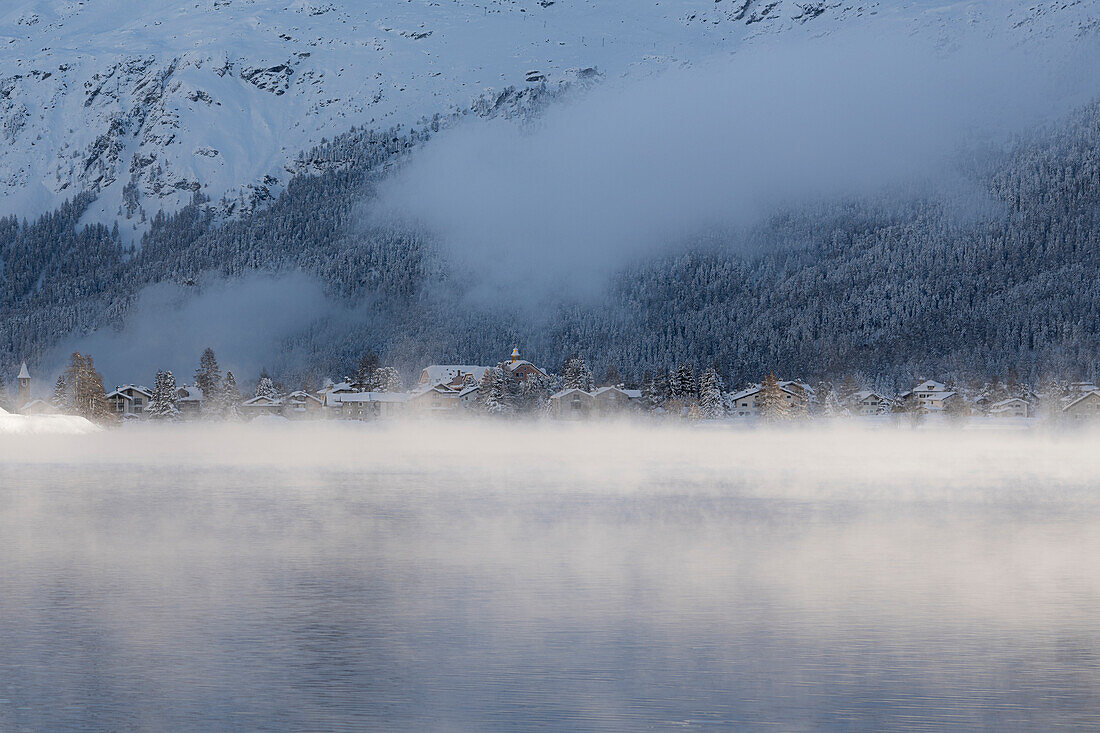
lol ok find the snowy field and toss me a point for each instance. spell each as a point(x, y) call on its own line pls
point(463, 576)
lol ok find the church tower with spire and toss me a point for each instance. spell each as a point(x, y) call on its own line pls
point(23, 391)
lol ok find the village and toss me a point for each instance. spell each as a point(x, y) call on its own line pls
point(517, 387)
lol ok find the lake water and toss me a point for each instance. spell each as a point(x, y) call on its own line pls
point(467, 579)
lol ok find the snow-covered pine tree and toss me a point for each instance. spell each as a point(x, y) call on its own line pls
point(208, 378)
point(661, 386)
point(710, 394)
point(364, 372)
point(386, 379)
point(685, 375)
point(575, 374)
point(62, 398)
point(162, 405)
point(230, 398)
point(532, 395)
point(675, 385)
point(491, 391)
point(833, 408)
point(265, 387)
point(773, 400)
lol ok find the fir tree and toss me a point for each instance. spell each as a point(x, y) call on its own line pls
point(208, 378)
point(833, 407)
point(62, 398)
point(652, 398)
point(364, 372)
point(230, 398)
point(685, 378)
point(710, 394)
point(162, 405)
point(575, 374)
point(386, 379)
point(774, 406)
point(265, 387)
point(492, 393)
point(675, 385)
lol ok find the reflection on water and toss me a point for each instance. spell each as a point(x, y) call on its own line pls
point(160, 595)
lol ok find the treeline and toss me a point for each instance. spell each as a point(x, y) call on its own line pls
point(887, 290)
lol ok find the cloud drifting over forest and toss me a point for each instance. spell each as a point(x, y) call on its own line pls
point(630, 167)
point(245, 321)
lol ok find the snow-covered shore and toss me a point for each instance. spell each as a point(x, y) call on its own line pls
point(44, 424)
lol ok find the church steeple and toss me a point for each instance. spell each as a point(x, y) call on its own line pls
point(23, 392)
point(515, 355)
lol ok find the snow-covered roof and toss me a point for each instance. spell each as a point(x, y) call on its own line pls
point(796, 383)
point(931, 385)
point(514, 365)
point(189, 393)
point(300, 395)
point(23, 373)
point(634, 394)
point(865, 395)
point(571, 390)
point(121, 391)
point(468, 390)
point(262, 401)
point(1009, 401)
point(747, 392)
point(1082, 398)
point(443, 373)
point(441, 389)
point(783, 386)
point(359, 397)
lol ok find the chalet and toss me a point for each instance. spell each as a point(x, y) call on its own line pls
point(301, 404)
point(746, 403)
point(612, 400)
point(521, 369)
point(262, 405)
point(1083, 407)
point(129, 400)
point(1012, 407)
point(868, 402)
point(941, 401)
point(38, 407)
point(932, 397)
point(189, 401)
point(439, 397)
point(453, 376)
point(365, 405)
point(571, 404)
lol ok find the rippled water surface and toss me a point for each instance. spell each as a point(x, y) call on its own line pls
point(744, 585)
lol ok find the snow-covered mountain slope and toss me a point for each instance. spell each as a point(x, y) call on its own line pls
point(146, 101)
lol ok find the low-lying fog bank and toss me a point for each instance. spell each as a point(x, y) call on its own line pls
point(616, 457)
point(480, 576)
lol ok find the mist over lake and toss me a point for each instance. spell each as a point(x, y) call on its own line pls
point(460, 576)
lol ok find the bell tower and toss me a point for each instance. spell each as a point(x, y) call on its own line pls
point(515, 355)
point(23, 391)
